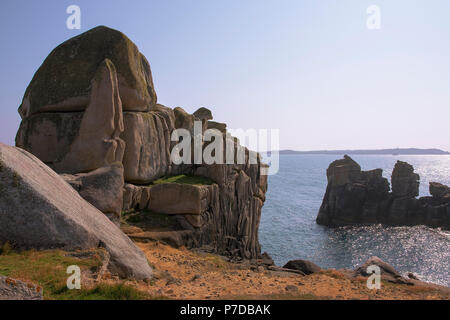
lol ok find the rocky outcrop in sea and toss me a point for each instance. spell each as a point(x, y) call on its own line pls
point(356, 197)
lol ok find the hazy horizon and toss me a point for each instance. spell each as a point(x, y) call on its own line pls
point(311, 69)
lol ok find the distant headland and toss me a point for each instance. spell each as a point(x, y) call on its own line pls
point(397, 151)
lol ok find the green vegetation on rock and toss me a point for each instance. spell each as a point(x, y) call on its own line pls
point(184, 179)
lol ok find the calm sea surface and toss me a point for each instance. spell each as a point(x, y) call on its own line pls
point(288, 229)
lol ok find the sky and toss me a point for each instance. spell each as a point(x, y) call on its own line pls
point(312, 69)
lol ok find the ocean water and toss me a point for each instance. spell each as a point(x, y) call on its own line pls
point(288, 229)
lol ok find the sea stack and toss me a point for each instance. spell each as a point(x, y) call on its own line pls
point(355, 197)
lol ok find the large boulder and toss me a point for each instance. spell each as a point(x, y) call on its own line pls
point(103, 188)
point(176, 198)
point(388, 272)
point(439, 190)
point(147, 145)
point(97, 143)
point(305, 266)
point(63, 82)
point(183, 120)
point(80, 142)
point(38, 209)
point(405, 183)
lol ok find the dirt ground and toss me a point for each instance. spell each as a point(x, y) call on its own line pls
point(184, 274)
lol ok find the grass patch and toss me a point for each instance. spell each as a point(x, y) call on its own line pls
point(45, 268)
point(48, 270)
point(184, 179)
point(103, 292)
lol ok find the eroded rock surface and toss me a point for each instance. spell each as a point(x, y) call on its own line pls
point(63, 82)
point(92, 104)
point(38, 209)
point(352, 196)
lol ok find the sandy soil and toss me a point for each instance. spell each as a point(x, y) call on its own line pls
point(184, 274)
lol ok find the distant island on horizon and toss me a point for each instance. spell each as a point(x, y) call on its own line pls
point(397, 151)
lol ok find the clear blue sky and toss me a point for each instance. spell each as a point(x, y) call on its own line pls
point(310, 68)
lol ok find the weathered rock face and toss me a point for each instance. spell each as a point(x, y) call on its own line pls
point(74, 142)
point(103, 188)
point(97, 143)
point(439, 191)
point(352, 196)
point(405, 183)
point(175, 198)
point(49, 135)
point(358, 197)
point(92, 104)
point(63, 82)
point(12, 289)
point(222, 127)
point(148, 145)
point(38, 209)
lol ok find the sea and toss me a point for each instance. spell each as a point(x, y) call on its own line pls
point(288, 229)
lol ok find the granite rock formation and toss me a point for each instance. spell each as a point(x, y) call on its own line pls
point(92, 105)
point(63, 82)
point(354, 197)
point(39, 210)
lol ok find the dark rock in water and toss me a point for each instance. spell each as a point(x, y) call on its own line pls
point(307, 267)
point(439, 191)
point(405, 183)
point(362, 197)
point(352, 196)
point(12, 289)
point(388, 272)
